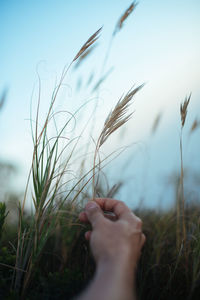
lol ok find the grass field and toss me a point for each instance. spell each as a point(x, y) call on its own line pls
point(44, 255)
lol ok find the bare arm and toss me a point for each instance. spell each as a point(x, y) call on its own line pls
point(116, 247)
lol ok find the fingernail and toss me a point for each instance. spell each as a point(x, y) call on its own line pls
point(91, 205)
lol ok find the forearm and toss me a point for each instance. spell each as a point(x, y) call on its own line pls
point(116, 247)
point(111, 281)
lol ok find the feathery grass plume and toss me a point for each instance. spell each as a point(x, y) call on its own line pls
point(125, 15)
point(87, 44)
point(156, 123)
point(116, 118)
point(195, 125)
point(84, 55)
point(183, 109)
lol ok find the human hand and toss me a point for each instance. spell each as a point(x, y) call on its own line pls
point(113, 241)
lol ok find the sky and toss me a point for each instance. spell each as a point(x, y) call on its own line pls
point(159, 45)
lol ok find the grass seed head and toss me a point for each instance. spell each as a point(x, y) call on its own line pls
point(183, 109)
point(195, 125)
point(156, 123)
point(117, 117)
point(84, 55)
point(87, 44)
point(125, 15)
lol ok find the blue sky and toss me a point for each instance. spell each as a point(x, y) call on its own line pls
point(159, 45)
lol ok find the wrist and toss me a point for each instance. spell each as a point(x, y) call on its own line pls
point(122, 258)
point(118, 277)
point(121, 266)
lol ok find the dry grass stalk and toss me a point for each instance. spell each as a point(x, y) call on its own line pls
point(87, 44)
point(114, 189)
point(183, 109)
point(116, 118)
point(181, 232)
point(125, 15)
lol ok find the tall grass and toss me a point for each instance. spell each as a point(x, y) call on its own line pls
point(170, 262)
point(47, 173)
point(49, 170)
point(181, 228)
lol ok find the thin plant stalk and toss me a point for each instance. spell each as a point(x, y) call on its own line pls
point(181, 227)
point(116, 118)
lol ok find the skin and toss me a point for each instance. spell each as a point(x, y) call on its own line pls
point(116, 242)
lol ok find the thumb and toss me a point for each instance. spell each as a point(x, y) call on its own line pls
point(94, 213)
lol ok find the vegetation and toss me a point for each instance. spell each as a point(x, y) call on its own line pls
point(45, 255)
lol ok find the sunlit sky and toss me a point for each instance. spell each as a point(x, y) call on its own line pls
point(159, 44)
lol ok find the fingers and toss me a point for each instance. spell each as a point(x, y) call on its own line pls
point(118, 207)
point(83, 217)
point(104, 208)
point(93, 213)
